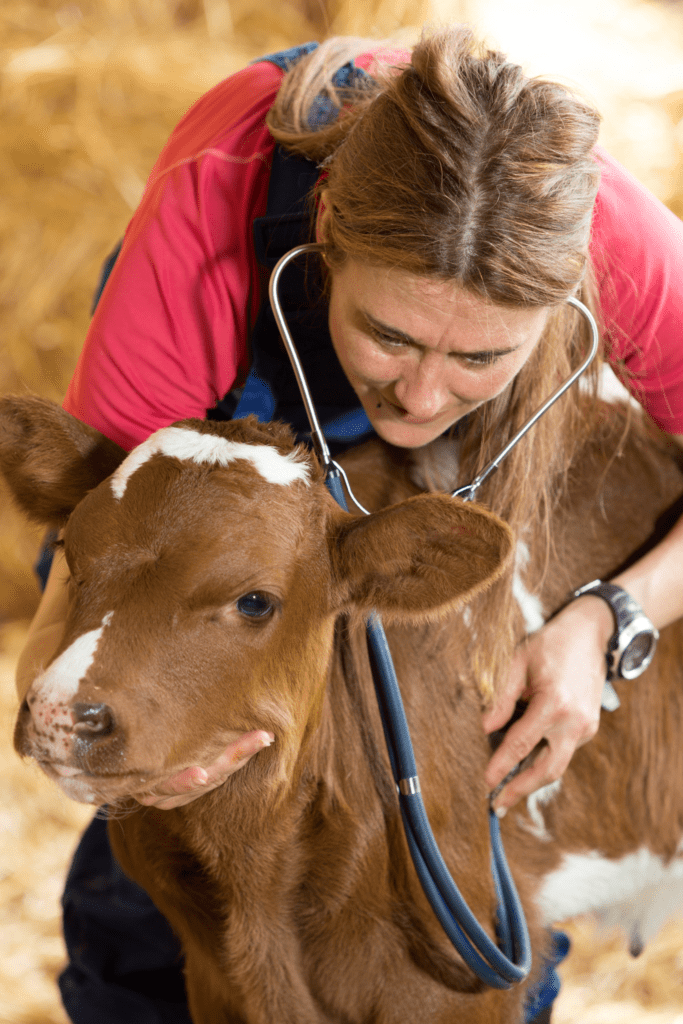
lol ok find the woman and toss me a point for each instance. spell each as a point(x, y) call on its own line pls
point(457, 206)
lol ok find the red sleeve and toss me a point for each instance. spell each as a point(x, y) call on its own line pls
point(637, 253)
point(169, 336)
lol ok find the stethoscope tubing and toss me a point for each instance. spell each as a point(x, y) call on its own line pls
point(499, 966)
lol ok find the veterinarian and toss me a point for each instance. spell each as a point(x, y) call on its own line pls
point(460, 203)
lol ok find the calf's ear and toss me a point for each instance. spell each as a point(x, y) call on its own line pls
point(50, 459)
point(419, 558)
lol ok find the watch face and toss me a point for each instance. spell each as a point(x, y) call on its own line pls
point(637, 656)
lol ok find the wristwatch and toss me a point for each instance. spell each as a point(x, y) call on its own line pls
point(633, 644)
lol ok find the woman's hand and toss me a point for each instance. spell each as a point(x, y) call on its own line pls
point(560, 671)
point(194, 782)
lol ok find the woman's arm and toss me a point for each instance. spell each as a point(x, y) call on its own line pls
point(47, 627)
point(636, 251)
point(560, 671)
point(170, 333)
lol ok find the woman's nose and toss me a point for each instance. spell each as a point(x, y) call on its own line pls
point(421, 389)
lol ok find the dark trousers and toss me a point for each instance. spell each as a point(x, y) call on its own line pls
point(125, 962)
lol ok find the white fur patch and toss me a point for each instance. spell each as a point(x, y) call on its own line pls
point(182, 443)
point(77, 788)
point(638, 893)
point(61, 680)
point(530, 605)
point(534, 803)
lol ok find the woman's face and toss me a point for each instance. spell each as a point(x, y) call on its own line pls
point(422, 353)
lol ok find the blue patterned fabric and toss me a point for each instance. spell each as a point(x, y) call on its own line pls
point(323, 111)
point(547, 990)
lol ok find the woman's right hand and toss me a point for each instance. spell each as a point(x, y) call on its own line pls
point(191, 783)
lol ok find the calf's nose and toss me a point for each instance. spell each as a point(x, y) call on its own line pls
point(92, 721)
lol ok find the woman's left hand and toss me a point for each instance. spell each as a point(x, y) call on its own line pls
point(560, 671)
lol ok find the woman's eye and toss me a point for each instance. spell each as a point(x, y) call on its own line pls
point(388, 341)
point(254, 605)
point(482, 358)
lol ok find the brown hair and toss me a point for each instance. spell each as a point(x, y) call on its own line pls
point(458, 166)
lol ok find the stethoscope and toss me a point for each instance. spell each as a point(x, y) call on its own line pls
point(509, 962)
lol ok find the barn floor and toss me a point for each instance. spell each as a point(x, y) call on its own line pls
point(39, 829)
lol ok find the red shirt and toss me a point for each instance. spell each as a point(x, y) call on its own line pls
point(170, 334)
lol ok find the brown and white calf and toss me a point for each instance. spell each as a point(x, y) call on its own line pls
point(216, 588)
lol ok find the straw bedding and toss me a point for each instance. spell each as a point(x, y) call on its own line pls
point(88, 94)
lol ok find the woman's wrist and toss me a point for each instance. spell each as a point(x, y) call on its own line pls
point(634, 639)
point(597, 617)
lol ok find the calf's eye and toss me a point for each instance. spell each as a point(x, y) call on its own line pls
point(255, 605)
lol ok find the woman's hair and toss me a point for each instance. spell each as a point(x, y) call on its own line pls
point(459, 167)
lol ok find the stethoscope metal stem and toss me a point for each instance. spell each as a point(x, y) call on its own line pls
point(319, 442)
point(468, 491)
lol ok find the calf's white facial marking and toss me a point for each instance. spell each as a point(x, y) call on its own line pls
point(638, 893)
point(182, 443)
point(54, 688)
point(61, 680)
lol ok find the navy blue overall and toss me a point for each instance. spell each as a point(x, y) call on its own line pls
point(125, 963)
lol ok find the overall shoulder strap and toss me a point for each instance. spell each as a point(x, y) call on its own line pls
point(271, 390)
point(292, 178)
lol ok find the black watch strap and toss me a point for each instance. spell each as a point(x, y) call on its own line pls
point(629, 620)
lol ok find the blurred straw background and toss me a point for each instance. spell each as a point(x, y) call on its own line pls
point(88, 94)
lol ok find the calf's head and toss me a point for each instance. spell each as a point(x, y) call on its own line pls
point(206, 570)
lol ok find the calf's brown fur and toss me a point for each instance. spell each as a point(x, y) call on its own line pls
point(290, 886)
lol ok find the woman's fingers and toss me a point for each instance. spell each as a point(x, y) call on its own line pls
point(506, 701)
point(548, 765)
point(561, 669)
point(564, 727)
point(193, 782)
point(519, 741)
